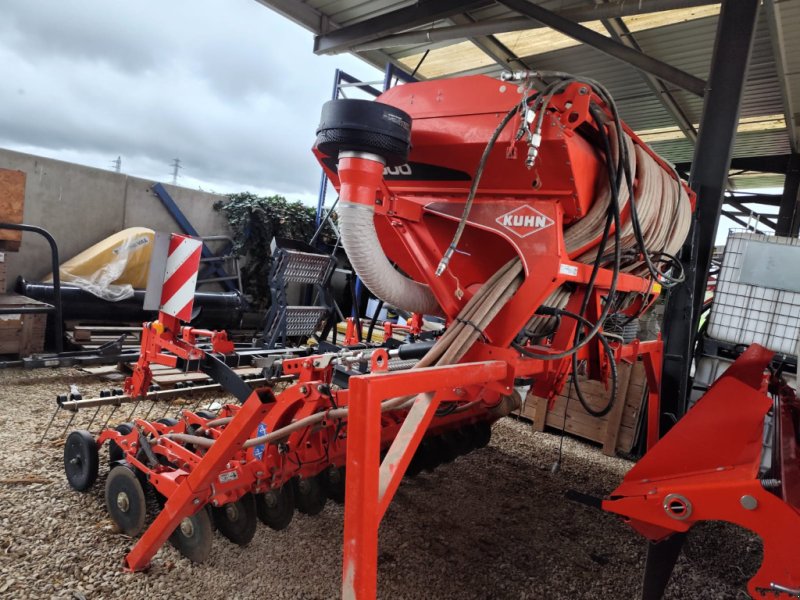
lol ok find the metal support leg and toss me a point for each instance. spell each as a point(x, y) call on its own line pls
point(661, 559)
point(735, 31)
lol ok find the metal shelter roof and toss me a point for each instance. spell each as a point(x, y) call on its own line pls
point(441, 38)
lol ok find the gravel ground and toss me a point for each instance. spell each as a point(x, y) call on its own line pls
point(494, 524)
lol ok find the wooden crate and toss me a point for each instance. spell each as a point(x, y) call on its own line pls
point(21, 334)
point(616, 431)
point(12, 203)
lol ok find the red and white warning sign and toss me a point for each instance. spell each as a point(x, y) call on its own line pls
point(172, 279)
point(180, 276)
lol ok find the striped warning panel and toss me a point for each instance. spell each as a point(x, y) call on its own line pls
point(180, 276)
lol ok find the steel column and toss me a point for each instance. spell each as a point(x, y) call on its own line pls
point(789, 211)
point(712, 157)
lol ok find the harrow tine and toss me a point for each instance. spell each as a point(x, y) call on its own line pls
point(71, 419)
point(94, 416)
point(135, 406)
point(111, 414)
point(152, 406)
point(50, 424)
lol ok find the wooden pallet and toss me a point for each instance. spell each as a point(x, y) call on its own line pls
point(163, 376)
point(89, 337)
point(616, 431)
point(12, 205)
point(21, 334)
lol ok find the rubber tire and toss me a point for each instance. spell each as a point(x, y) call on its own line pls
point(241, 530)
point(168, 421)
point(432, 456)
point(123, 479)
point(448, 446)
point(81, 460)
point(483, 434)
point(206, 414)
point(309, 496)
point(279, 516)
point(196, 548)
point(115, 453)
point(335, 483)
point(364, 126)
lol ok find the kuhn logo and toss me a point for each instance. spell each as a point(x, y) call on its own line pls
point(524, 221)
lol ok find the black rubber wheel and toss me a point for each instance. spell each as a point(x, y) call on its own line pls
point(275, 508)
point(168, 421)
point(115, 453)
point(125, 500)
point(309, 496)
point(237, 520)
point(335, 477)
point(364, 126)
point(462, 440)
point(206, 414)
point(483, 434)
point(81, 460)
point(192, 537)
point(431, 457)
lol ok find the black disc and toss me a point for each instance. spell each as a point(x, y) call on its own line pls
point(115, 453)
point(448, 446)
point(81, 460)
point(275, 508)
point(309, 496)
point(192, 536)
point(335, 483)
point(125, 500)
point(431, 457)
point(483, 434)
point(237, 520)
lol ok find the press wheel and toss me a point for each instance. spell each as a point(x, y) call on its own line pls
point(81, 460)
point(125, 500)
point(310, 496)
point(237, 520)
point(275, 508)
point(335, 478)
point(115, 453)
point(192, 537)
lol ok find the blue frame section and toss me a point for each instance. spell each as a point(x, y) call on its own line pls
point(186, 227)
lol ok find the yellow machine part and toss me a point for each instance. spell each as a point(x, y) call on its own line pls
point(128, 249)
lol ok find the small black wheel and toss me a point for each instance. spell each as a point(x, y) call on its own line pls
point(275, 508)
point(438, 453)
point(237, 520)
point(81, 460)
point(125, 500)
point(168, 421)
point(431, 456)
point(463, 441)
point(334, 477)
point(483, 434)
point(115, 453)
point(309, 496)
point(192, 537)
point(206, 414)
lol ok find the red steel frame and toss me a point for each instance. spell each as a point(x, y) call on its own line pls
point(707, 469)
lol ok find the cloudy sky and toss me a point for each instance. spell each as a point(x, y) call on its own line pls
point(228, 86)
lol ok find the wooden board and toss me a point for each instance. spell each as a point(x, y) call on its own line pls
point(12, 204)
point(21, 334)
point(616, 431)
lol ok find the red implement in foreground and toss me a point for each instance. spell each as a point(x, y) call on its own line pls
point(711, 466)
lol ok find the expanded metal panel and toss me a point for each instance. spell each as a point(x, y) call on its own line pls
point(303, 320)
point(303, 267)
point(746, 314)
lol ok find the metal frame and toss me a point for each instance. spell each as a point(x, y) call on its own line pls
point(789, 210)
point(616, 50)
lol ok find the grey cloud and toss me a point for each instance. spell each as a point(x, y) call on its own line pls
point(228, 86)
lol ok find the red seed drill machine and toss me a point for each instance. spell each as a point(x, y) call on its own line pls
point(522, 211)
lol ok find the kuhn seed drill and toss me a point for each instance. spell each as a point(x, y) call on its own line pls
point(522, 211)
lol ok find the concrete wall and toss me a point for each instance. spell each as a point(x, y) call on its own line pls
point(82, 205)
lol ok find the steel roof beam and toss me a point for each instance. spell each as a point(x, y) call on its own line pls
point(779, 52)
point(623, 53)
point(620, 32)
point(610, 10)
point(760, 164)
point(422, 13)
